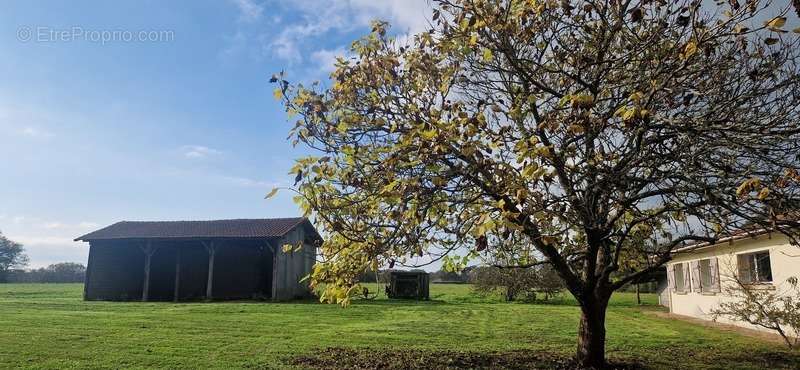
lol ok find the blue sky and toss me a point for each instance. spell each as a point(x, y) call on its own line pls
point(180, 124)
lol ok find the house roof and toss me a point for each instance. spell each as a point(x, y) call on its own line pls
point(739, 235)
point(240, 228)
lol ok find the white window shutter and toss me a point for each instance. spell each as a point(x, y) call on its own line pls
point(687, 278)
point(695, 268)
point(715, 283)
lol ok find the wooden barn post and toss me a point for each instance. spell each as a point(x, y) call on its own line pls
point(210, 284)
point(177, 274)
point(148, 254)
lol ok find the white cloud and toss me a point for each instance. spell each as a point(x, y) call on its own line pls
point(249, 10)
point(56, 225)
point(325, 59)
point(36, 132)
point(45, 250)
point(28, 241)
point(322, 17)
point(47, 242)
point(198, 151)
point(248, 182)
point(406, 15)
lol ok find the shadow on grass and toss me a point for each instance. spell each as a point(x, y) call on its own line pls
point(336, 358)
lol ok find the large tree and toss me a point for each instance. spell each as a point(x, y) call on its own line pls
point(11, 255)
point(595, 136)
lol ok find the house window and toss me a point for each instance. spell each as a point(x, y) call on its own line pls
point(680, 283)
point(755, 267)
point(706, 281)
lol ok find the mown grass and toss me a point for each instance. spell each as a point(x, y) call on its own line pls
point(49, 326)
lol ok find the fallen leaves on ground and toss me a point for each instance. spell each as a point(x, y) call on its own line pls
point(336, 358)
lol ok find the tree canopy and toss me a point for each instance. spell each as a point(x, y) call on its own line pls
point(594, 136)
point(11, 255)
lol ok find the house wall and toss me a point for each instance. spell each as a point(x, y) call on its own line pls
point(292, 266)
point(664, 293)
point(785, 263)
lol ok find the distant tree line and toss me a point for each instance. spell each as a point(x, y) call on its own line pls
point(13, 260)
point(441, 276)
point(525, 284)
point(65, 272)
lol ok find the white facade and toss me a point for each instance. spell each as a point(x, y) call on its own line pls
point(697, 278)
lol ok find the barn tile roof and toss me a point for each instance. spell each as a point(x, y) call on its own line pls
point(240, 228)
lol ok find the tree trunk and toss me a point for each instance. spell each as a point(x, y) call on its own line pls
point(592, 335)
point(509, 295)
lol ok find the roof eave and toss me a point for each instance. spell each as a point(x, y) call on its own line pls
point(728, 239)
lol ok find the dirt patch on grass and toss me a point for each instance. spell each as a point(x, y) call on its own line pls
point(366, 359)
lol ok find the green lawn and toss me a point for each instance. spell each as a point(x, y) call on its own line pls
point(49, 326)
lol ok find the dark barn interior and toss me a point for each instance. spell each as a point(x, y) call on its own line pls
point(163, 261)
point(409, 285)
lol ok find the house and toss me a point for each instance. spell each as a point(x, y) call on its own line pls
point(191, 260)
point(698, 274)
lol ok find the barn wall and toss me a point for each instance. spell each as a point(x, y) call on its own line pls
point(243, 269)
point(240, 271)
point(194, 271)
point(117, 271)
point(292, 266)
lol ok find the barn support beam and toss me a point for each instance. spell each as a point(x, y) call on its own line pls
point(211, 254)
point(176, 295)
point(148, 250)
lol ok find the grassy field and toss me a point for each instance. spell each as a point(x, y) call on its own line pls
point(49, 326)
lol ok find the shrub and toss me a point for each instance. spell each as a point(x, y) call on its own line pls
point(774, 309)
point(516, 283)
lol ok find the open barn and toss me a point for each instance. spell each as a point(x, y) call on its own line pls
point(200, 260)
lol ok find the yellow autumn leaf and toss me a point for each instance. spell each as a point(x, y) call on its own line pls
point(689, 50)
point(473, 40)
point(776, 22)
point(575, 129)
point(636, 97)
point(763, 194)
point(629, 114)
point(796, 30)
point(278, 94)
point(271, 193)
point(487, 55)
point(428, 134)
point(582, 101)
point(747, 186)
